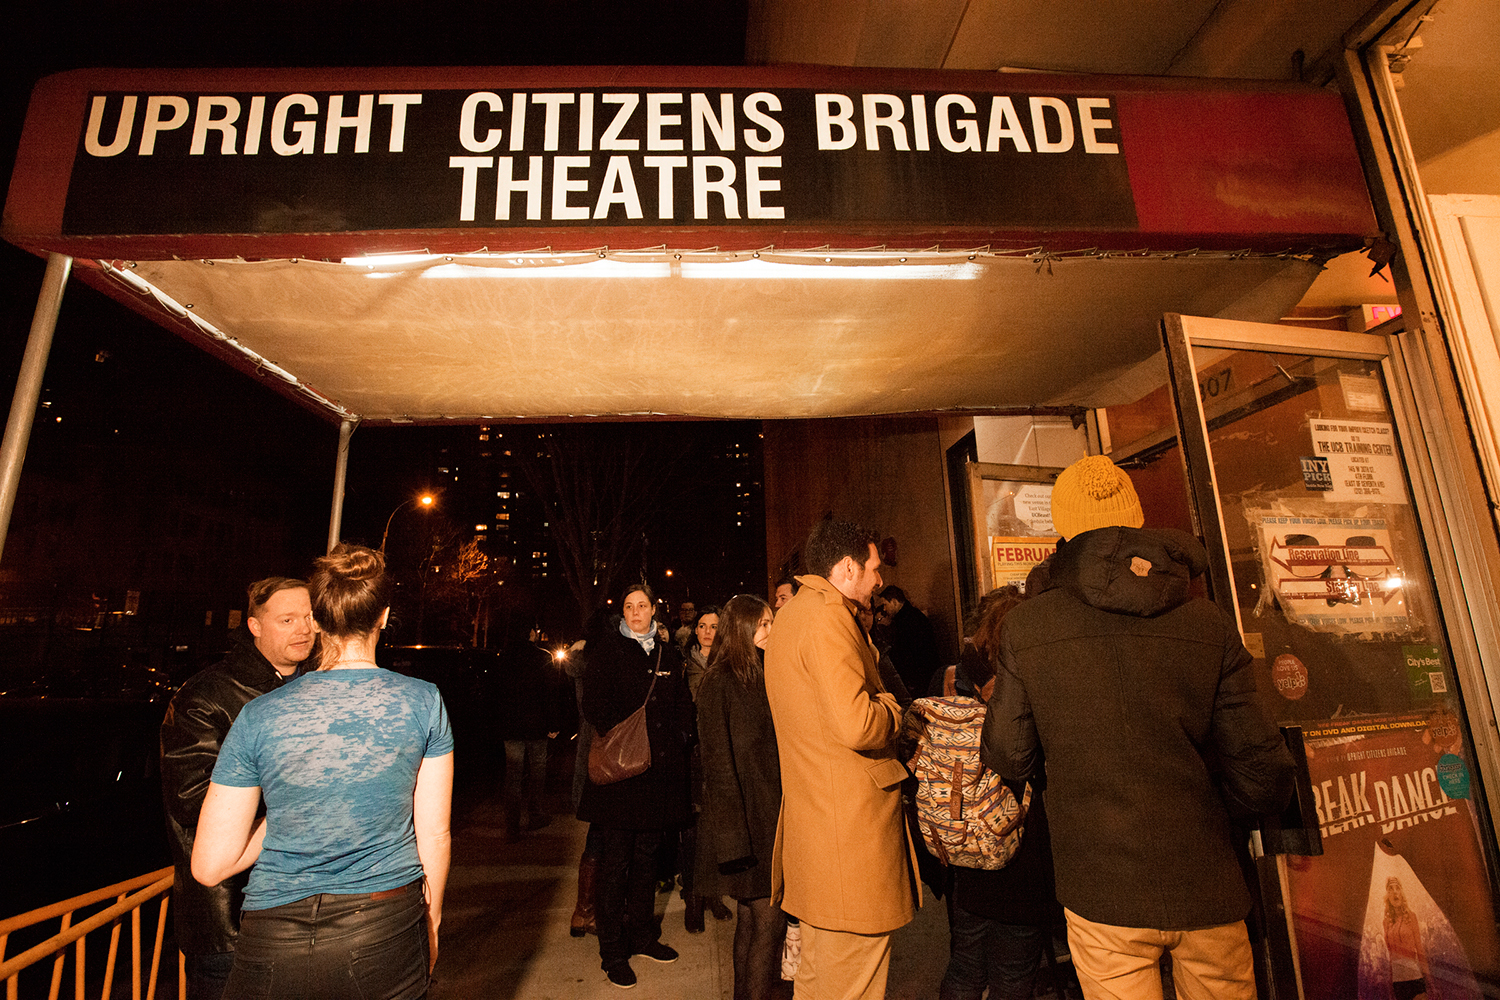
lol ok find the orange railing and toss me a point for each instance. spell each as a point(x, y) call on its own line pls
point(129, 897)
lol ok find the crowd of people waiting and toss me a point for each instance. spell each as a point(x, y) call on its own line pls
point(772, 772)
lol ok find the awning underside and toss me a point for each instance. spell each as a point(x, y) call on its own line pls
point(712, 335)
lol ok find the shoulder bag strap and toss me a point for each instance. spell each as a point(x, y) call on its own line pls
point(653, 674)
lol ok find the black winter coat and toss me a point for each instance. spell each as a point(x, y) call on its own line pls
point(207, 917)
point(1138, 705)
point(741, 788)
point(615, 682)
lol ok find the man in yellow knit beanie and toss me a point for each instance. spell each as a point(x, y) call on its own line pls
point(1133, 706)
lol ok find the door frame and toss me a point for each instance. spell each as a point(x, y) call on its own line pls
point(1463, 632)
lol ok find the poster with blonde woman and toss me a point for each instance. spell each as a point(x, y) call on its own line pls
point(1409, 948)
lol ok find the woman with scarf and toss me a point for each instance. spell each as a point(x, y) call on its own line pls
point(630, 665)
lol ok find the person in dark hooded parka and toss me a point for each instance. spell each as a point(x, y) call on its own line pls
point(1134, 705)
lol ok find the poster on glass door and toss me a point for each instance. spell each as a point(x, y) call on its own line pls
point(1399, 903)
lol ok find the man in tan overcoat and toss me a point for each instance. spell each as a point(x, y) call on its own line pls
point(843, 862)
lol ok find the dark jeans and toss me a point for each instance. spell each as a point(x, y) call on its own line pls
point(625, 892)
point(984, 952)
point(207, 974)
point(525, 761)
point(334, 947)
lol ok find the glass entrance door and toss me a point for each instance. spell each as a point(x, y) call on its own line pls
point(1295, 447)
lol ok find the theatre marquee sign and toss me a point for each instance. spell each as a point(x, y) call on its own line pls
point(360, 151)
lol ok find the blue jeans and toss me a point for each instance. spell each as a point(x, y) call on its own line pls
point(984, 952)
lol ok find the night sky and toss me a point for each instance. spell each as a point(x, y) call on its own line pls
point(116, 378)
point(139, 429)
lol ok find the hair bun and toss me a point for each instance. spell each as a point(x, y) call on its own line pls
point(354, 562)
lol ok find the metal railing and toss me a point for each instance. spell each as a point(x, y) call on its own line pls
point(129, 898)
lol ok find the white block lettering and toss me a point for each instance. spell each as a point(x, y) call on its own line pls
point(756, 185)
point(360, 122)
point(506, 184)
point(554, 103)
point(618, 189)
point(123, 127)
point(656, 120)
point(1064, 141)
point(756, 106)
point(399, 103)
point(204, 121)
point(611, 137)
point(968, 128)
point(664, 165)
point(723, 187)
point(702, 117)
point(1005, 124)
point(306, 131)
point(834, 111)
point(154, 122)
point(1090, 126)
point(875, 121)
point(919, 135)
point(562, 184)
point(470, 165)
point(468, 137)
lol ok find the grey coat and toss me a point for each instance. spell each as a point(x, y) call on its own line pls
point(1135, 707)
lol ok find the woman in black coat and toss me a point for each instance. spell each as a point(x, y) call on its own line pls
point(631, 816)
point(741, 794)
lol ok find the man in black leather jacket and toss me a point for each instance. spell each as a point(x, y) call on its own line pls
point(278, 637)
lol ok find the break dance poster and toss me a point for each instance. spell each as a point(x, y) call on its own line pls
point(1399, 904)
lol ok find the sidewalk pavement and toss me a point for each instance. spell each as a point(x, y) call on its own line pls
point(508, 906)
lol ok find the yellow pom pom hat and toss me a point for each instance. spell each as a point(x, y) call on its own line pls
point(1094, 493)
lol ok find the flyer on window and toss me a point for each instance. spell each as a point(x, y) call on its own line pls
point(1399, 903)
point(1333, 574)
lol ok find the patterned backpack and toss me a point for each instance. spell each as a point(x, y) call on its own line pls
point(967, 815)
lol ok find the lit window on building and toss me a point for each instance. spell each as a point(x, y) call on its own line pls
point(484, 437)
point(502, 517)
point(503, 494)
point(481, 527)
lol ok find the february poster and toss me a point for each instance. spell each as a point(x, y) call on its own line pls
point(1399, 904)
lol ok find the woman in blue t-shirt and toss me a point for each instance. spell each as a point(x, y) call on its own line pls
point(355, 765)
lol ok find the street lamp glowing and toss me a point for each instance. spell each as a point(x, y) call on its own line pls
point(424, 500)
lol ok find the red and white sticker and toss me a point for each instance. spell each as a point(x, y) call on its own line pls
point(1289, 676)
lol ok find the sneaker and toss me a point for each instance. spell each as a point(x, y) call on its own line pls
point(621, 974)
point(658, 952)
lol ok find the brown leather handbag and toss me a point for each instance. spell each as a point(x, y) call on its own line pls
point(625, 750)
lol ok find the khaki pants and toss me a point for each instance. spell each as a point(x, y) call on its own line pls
point(1120, 963)
point(838, 965)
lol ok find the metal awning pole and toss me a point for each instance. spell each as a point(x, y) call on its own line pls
point(340, 475)
point(29, 385)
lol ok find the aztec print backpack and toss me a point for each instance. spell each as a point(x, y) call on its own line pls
point(967, 815)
